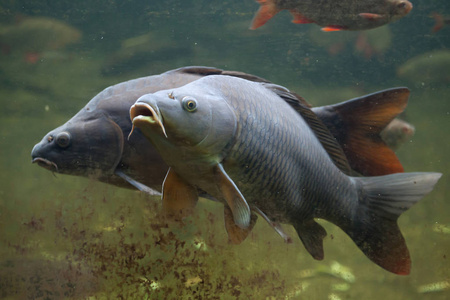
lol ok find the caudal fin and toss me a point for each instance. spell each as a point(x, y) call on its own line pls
point(373, 226)
point(356, 124)
point(439, 22)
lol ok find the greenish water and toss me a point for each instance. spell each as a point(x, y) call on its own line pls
point(70, 237)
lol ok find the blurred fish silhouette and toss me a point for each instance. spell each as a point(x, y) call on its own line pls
point(335, 15)
point(432, 67)
point(32, 36)
point(397, 133)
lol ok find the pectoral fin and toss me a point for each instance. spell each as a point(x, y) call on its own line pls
point(371, 16)
point(312, 234)
point(179, 197)
point(140, 186)
point(267, 10)
point(233, 197)
point(236, 234)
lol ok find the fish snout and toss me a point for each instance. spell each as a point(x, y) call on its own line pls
point(37, 157)
point(144, 114)
point(404, 7)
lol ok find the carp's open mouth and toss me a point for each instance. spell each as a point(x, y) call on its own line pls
point(45, 163)
point(142, 114)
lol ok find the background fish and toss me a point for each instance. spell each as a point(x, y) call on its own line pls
point(239, 142)
point(94, 143)
point(426, 68)
point(397, 133)
point(335, 15)
point(367, 44)
point(33, 36)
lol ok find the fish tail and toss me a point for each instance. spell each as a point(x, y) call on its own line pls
point(357, 124)
point(382, 199)
point(439, 22)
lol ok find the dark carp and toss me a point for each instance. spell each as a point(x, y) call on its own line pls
point(241, 143)
point(334, 15)
point(94, 142)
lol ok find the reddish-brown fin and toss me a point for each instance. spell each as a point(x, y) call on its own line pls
point(382, 242)
point(357, 124)
point(331, 28)
point(179, 197)
point(266, 11)
point(439, 22)
point(372, 225)
point(299, 18)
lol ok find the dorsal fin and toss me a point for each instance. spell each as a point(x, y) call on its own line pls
point(321, 131)
point(206, 71)
point(357, 124)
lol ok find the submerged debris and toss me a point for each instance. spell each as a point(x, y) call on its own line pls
point(434, 287)
point(441, 228)
point(333, 296)
point(298, 290)
point(193, 281)
point(335, 269)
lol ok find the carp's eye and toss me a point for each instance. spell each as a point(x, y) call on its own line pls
point(63, 139)
point(189, 104)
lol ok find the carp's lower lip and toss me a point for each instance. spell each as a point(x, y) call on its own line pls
point(142, 114)
point(45, 163)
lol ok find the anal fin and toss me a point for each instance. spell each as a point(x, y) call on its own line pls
point(179, 198)
point(331, 28)
point(312, 235)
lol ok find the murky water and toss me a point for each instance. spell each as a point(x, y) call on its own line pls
point(71, 237)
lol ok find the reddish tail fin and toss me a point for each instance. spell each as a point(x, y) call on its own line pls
point(357, 124)
point(439, 22)
point(373, 226)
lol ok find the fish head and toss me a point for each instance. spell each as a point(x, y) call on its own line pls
point(400, 8)
point(192, 121)
point(87, 145)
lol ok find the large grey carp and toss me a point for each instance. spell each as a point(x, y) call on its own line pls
point(241, 143)
point(94, 142)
